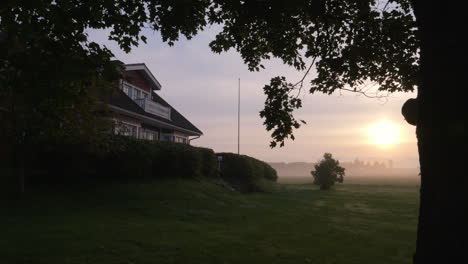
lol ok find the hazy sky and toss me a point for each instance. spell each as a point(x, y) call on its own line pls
point(203, 86)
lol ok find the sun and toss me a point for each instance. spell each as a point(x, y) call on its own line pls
point(384, 133)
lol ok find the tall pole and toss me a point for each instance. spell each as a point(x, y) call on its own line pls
point(238, 119)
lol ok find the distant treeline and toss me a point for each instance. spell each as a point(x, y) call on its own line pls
point(354, 168)
point(368, 164)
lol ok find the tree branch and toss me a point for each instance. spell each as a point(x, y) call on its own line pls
point(363, 93)
point(301, 82)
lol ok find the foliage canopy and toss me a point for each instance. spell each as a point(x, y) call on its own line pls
point(350, 43)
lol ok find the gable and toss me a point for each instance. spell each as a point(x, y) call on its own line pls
point(145, 73)
point(136, 78)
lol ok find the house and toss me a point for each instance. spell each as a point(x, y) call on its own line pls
point(139, 111)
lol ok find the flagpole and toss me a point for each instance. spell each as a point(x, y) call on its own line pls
point(238, 119)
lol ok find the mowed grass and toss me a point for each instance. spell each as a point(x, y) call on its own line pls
point(201, 222)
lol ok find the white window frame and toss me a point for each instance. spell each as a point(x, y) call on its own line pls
point(124, 123)
point(146, 132)
point(180, 139)
point(170, 135)
point(131, 91)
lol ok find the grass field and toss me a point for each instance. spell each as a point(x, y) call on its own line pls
point(201, 222)
point(361, 180)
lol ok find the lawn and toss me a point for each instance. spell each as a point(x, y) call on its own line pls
point(201, 222)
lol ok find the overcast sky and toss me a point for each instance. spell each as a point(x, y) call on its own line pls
point(203, 87)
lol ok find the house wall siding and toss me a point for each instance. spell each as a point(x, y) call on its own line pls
point(137, 79)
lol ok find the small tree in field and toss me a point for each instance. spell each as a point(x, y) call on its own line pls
point(327, 172)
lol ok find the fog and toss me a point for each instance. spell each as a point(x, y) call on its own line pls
point(356, 172)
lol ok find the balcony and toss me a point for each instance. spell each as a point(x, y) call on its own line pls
point(141, 97)
point(154, 108)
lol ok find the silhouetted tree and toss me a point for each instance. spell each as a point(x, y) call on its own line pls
point(400, 45)
point(327, 172)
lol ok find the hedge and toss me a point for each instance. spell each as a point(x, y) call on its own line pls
point(120, 158)
point(245, 173)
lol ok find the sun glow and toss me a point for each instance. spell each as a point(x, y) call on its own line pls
point(384, 133)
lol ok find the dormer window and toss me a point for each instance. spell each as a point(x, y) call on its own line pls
point(143, 99)
point(137, 94)
point(125, 89)
point(133, 91)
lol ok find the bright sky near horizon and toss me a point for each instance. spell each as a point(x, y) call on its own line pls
point(203, 85)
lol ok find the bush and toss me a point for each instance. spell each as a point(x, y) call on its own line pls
point(245, 173)
point(176, 160)
point(118, 157)
point(209, 162)
point(123, 158)
point(270, 173)
point(327, 172)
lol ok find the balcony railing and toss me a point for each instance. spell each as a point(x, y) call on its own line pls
point(154, 108)
point(136, 94)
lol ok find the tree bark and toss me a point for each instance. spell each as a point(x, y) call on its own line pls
point(21, 176)
point(18, 164)
point(441, 133)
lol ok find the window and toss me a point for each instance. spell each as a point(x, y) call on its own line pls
point(167, 137)
point(133, 130)
point(129, 130)
point(181, 140)
point(125, 89)
point(130, 92)
point(126, 129)
point(149, 134)
point(133, 91)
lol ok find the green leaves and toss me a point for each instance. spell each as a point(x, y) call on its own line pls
point(327, 172)
point(354, 41)
point(278, 110)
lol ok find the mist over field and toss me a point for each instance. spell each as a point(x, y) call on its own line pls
point(356, 172)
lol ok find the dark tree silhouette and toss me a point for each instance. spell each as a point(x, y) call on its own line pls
point(327, 172)
point(401, 45)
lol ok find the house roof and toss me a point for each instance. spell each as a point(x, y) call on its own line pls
point(155, 85)
point(178, 121)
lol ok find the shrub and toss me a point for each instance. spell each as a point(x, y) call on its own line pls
point(270, 173)
point(327, 172)
point(123, 158)
point(209, 162)
point(245, 173)
point(118, 157)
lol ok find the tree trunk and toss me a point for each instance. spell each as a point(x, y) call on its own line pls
point(441, 133)
point(21, 177)
point(18, 168)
